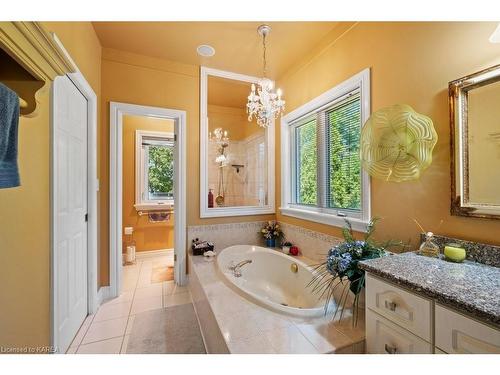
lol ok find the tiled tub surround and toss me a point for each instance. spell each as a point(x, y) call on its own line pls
point(225, 235)
point(477, 252)
point(468, 287)
point(313, 245)
point(231, 323)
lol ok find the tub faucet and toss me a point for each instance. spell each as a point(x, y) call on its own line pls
point(237, 268)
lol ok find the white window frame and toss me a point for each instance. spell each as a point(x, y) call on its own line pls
point(141, 180)
point(334, 217)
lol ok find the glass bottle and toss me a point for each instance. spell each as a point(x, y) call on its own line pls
point(428, 247)
point(210, 198)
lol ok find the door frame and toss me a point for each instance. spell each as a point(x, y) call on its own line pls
point(84, 87)
point(117, 111)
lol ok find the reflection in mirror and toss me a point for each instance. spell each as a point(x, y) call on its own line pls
point(237, 149)
point(475, 124)
point(484, 144)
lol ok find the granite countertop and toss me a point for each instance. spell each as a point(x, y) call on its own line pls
point(470, 287)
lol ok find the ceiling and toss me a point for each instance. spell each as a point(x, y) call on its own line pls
point(238, 46)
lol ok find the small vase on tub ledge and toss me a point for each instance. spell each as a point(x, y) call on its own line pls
point(285, 246)
point(271, 232)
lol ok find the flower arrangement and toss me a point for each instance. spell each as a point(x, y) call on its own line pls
point(271, 232)
point(340, 268)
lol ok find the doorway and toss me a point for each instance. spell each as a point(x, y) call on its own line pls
point(158, 203)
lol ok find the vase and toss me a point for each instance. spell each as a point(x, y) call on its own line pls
point(271, 242)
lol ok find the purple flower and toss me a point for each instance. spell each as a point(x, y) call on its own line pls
point(343, 265)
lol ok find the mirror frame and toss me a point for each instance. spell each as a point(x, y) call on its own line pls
point(206, 212)
point(459, 150)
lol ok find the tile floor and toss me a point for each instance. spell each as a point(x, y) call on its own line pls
point(108, 330)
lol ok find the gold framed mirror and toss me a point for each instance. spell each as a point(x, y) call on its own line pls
point(475, 144)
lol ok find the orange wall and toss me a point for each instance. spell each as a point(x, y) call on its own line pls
point(137, 79)
point(148, 236)
point(25, 210)
point(410, 63)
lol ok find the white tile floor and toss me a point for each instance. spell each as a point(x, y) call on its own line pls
point(108, 330)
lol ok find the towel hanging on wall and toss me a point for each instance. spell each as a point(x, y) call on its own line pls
point(9, 122)
point(158, 217)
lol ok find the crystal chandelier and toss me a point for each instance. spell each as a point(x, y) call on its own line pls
point(263, 103)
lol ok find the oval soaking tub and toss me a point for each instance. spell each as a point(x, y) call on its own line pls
point(270, 280)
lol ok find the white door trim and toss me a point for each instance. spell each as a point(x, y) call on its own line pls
point(92, 188)
point(117, 110)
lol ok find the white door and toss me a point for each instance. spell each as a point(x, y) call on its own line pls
point(70, 211)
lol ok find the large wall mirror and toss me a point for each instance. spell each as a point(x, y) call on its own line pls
point(236, 155)
point(475, 141)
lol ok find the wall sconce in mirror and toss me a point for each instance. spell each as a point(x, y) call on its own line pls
point(475, 144)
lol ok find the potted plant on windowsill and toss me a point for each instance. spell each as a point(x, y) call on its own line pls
point(271, 232)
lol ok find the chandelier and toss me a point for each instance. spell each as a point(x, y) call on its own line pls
point(221, 138)
point(264, 104)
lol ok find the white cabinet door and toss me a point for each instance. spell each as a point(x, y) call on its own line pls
point(70, 208)
point(406, 309)
point(385, 337)
point(456, 333)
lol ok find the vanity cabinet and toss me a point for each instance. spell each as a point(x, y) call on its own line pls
point(402, 322)
point(456, 333)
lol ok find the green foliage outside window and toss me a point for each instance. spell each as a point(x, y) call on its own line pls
point(343, 137)
point(307, 152)
point(345, 166)
point(161, 170)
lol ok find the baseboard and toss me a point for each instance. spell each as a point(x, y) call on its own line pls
point(103, 294)
point(153, 253)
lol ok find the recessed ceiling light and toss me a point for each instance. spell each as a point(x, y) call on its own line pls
point(205, 50)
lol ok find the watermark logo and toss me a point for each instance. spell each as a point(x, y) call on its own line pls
point(27, 349)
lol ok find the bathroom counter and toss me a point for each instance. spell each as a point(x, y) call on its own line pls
point(231, 323)
point(470, 287)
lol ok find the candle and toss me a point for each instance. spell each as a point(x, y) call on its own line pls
point(454, 252)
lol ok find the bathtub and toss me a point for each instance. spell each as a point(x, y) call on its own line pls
point(270, 281)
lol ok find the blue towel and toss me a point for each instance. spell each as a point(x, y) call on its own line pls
point(9, 121)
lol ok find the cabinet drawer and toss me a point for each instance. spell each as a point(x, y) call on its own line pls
point(385, 337)
point(399, 306)
point(456, 333)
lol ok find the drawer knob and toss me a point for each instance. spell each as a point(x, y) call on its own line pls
point(390, 349)
point(390, 305)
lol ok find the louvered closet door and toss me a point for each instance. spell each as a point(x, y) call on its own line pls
point(70, 201)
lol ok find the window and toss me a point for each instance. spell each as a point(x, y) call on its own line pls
point(320, 143)
point(307, 163)
point(154, 168)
